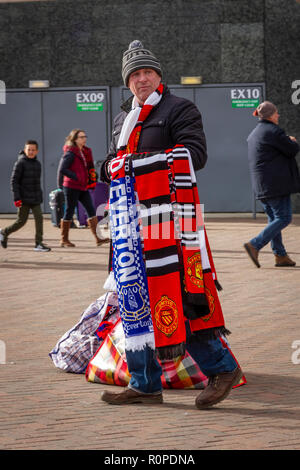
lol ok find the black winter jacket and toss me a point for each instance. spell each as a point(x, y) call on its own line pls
point(273, 167)
point(173, 121)
point(26, 180)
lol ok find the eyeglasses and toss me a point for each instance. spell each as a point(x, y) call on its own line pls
point(82, 137)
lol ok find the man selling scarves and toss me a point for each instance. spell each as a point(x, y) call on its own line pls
point(161, 262)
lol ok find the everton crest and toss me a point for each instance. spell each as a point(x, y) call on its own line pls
point(133, 304)
point(166, 315)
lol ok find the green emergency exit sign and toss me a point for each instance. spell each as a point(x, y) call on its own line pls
point(244, 103)
point(245, 97)
point(89, 106)
point(90, 101)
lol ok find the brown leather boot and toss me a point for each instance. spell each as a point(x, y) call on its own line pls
point(128, 396)
point(253, 253)
point(92, 223)
point(281, 261)
point(218, 388)
point(65, 227)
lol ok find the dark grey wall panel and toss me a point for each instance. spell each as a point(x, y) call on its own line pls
point(20, 120)
point(76, 43)
point(48, 117)
point(61, 115)
point(282, 64)
point(81, 42)
point(224, 183)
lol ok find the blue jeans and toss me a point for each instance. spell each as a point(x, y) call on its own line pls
point(72, 196)
point(145, 370)
point(279, 212)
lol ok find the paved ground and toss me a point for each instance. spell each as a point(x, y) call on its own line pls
point(44, 294)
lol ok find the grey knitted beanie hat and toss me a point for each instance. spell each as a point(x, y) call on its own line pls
point(137, 57)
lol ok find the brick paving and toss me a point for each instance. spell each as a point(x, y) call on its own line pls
point(44, 294)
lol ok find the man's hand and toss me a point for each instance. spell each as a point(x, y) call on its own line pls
point(293, 138)
point(18, 203)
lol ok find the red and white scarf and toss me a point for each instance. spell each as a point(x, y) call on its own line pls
point(131, 129)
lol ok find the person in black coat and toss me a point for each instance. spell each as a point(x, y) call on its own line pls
point(28, 195)
point(167, 121)
point(274, 176)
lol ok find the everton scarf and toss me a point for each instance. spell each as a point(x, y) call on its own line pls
point(152, 184)
point(128, 264)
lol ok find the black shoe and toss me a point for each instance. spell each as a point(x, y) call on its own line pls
point(3, 239)
point(41, 247)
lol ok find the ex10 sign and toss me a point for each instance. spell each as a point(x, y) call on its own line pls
point(245, 97)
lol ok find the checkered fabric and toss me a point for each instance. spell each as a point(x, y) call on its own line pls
point(75, 348)
point(108, 366)
point(109, 363)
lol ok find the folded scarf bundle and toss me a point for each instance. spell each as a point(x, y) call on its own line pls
point(162, 262)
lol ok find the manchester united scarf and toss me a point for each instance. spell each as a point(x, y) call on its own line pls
point(175, 240)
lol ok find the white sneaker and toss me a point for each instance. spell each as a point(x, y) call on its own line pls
point(42, 247)
point(3, 239)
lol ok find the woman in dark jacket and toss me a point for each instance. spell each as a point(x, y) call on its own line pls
point(79, 175)
point(275, 176)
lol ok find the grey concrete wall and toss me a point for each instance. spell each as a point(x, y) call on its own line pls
point(81, 42)
point(71, 41)
point(282, 64)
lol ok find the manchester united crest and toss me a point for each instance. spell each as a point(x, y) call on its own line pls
point(194, 270)
point(211, 304)
point(92, 174)
point(166, 315)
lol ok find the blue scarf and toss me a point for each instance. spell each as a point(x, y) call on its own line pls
point(128, 264)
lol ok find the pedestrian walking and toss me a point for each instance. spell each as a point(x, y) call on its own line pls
point(78, 172)
point(27, 194)
point(152, 120)
point(274, 176)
